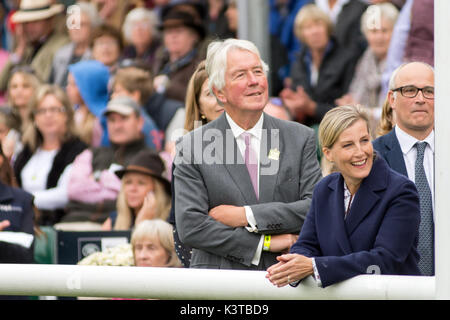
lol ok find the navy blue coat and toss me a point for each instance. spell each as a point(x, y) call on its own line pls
point(16, 206)
point(389, 148)
point(379, 233)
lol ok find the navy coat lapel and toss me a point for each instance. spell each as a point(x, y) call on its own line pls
point(337, 213)
point(394, 154)
point(271, 151)
point(234, 162)
point(366, 196)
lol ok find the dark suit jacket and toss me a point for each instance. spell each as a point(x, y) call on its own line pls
point(285, 190)
point(389, 148)
point(379, 233)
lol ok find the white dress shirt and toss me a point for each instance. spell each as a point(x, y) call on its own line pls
point(255, 141)
point(409, 151)
point(34, 180)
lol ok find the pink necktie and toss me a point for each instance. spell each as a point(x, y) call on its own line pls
point(251, 162)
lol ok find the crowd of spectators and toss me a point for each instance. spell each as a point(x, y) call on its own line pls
point(94, 93)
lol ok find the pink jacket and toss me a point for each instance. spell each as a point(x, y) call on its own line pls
point(85, 188)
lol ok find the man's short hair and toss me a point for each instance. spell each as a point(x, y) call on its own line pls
point(393, 78)
point(134, 78)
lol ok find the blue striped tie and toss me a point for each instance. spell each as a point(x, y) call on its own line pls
point(426, 228)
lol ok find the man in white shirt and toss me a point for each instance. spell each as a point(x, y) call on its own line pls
point(411, 95)
point(243, 182)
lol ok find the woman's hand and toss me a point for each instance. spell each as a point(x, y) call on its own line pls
point(298, 101)
point(290, 268)
point(4, 224)
point(148, 210)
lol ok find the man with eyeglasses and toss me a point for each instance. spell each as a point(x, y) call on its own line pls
point(409, 146)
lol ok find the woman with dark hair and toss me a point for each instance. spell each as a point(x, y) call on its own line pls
point(50, 146)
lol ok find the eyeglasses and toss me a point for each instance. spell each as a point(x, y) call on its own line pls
point(412, 91)
point(51, 110)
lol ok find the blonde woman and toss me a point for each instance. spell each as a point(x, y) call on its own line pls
point(152, 244)
point(364, 217)
point(50, 146)
point(144, 194)
point(22, 87)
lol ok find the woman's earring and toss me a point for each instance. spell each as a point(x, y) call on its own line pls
point(203, 117)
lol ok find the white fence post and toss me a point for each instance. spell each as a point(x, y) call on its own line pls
point(442, 149)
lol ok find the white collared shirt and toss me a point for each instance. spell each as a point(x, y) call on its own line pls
point(255, 141)
point(409, 151)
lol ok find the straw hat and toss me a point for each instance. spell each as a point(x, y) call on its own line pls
point(147, 162)
point(33, 10)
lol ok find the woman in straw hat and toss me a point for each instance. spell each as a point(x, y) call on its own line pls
point(37, 38)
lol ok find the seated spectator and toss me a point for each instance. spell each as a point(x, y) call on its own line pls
point(87, 89)
point(152, 244)
point(183, 31)
point(323, 69)
point(412, 39)
point(50, 146)
point(107, 46)
point(346, 19)
point(141, 34)
point(377, 24)
point(37, 38)
point(216, 20)
point(136, 83)
point(80, 30)
point(93, 185)
point(22, 88)
point(112, 12)
point(10, 137)
point(364, 216)
point(144, 194)
point(232, 18)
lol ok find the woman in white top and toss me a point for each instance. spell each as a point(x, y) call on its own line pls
point(50, 146)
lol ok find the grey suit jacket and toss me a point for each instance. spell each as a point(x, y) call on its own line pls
point(210, 171)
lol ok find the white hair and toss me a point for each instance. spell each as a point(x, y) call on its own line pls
point(371, 18)
point(140, 14)
point(91, 11)
point(217, 55)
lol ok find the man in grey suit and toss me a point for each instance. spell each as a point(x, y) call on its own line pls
point(236, 207)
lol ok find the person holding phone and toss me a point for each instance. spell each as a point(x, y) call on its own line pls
point(144, 195)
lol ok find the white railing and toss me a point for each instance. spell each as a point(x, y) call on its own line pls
point(197, 284)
